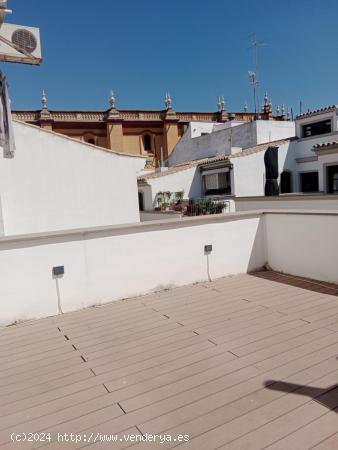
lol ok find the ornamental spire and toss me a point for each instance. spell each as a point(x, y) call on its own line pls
point(44, 100)
point(221, 104)
point(167, 101)
point(246, 107)
point(266, 99)
point(112, 101)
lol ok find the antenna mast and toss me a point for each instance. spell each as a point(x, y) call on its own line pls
point(254, 75)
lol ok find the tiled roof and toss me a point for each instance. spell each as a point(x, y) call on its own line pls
point(260, 148)
point(245, 152)
point(170, 171)
point(318, 111)
point(325, 144)
point(217, 158)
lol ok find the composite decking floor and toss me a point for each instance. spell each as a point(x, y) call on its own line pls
point(243, 362)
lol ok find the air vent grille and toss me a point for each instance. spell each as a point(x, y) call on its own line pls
point(25, 40)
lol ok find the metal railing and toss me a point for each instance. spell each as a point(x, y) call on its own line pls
point(207, 206)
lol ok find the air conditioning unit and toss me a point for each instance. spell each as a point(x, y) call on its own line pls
point(20, 44)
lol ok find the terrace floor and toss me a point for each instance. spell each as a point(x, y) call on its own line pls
point(243, 362)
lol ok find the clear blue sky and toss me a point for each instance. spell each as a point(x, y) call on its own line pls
point(195, 49)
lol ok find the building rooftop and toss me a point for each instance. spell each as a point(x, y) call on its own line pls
point(326, 144)
point(243, 362)
point(189, 164)
point(315, 112)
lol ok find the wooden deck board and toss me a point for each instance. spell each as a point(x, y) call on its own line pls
point(243, 362)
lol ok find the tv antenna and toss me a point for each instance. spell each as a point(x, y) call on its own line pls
point(254, 84)
point(254, 74)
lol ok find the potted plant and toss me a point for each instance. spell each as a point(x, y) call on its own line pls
point(177, 204)
point(159, 201)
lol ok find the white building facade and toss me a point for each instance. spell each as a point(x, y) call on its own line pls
point(228, 160)
point(56, 183)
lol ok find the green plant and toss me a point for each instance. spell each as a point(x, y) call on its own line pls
point(179, 195)
point(167, 194)
point(160, 198)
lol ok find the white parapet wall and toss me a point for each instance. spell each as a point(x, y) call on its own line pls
point(56, 183)
point(118, 262)
point(110, 263)
point(303, 244)
point(288, 201)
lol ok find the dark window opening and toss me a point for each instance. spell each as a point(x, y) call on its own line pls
point(147, 142)
point(314, 129)
point(285, 182)
point(140, 201)
point(217, 183)
point(332, 179)
point(309, 182)
point(91, 141)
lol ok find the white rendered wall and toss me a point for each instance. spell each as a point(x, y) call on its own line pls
point(102, 265)
point(317, 118)
point(244, 135)
point(273, 130)
point(319, 166)
point(303, 244)
point(55, 183)
point(249, 171)
point(121, 262)
point(305, 202)
point(196, 129)
point(188, 181)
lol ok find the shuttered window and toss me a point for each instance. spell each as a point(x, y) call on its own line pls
point(217, 183)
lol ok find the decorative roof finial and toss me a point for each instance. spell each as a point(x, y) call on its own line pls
point(288, 113)
point(44, 100)
point(246, 107)
point(266, 99)
point(222, 104)
point(219, 105)
point(278, 110)
point(112, 100)
point(167, 101)
point(283, 110)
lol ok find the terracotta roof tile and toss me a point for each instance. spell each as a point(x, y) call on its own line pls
point(170, 171)
point(197, 162)
point(318, 111)
point(325, 144)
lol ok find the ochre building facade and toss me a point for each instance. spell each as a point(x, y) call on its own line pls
point(149, 133)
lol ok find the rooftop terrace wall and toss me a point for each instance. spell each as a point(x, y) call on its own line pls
point(110, 263)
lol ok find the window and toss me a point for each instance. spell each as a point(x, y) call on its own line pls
point(89, 138)
point(309, 182)
point(332, 179)
point(316, 128)
point(217, 183)
point(147, 142)
point(285, 182)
